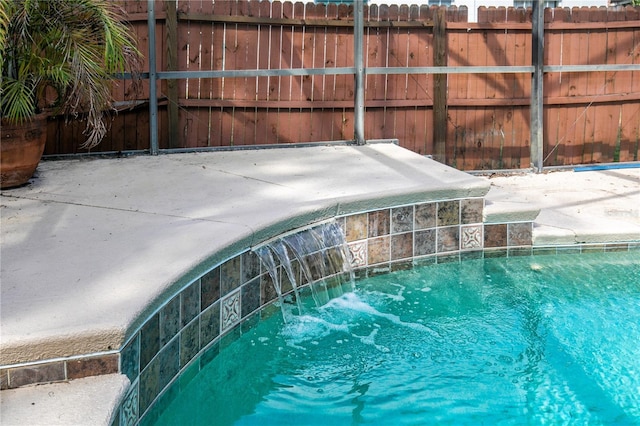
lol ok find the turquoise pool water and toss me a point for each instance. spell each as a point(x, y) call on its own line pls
point(528, 340)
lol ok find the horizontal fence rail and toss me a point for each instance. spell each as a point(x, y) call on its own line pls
point(168, 75)
point(252, 73)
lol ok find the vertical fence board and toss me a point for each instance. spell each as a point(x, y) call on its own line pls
point(393, 82)
point(440, 85)
point(570, 130)
point(284, 83)
point(204, 117)
point(402, 90)
point(580, 86)
point(307, 39)
point(206, 54)
point(183, 43)
point(620, 82)
point(170, 63)
point(217, 134)
point(229, 48)
point(458, 86)
point(263, 62)
point(594, 83)
point(474, 123)
point(424, 114)
point(520, 144)
point(317, 61)
point(509, 88)
point(374, 56)
point(254, 49)
point(191, 61)
point(492, 86)
point(629, 130)
point(553, 86)
point(331, 115)
point(563, 152)
point(273, 90)
point(248, 35)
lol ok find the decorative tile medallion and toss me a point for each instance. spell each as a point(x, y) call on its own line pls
point(471, 237)
point(230, 310)
point(358, 253)
point(129, 411)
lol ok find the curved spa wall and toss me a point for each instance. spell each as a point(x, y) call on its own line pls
point(191, 328)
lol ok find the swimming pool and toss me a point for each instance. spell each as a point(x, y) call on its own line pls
point(533, 340)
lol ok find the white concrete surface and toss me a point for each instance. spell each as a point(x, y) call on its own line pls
point(89, 401)
point(575, 207)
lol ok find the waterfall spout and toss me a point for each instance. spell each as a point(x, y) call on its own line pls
point(318, 257)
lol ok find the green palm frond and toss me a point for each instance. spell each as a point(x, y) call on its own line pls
point(18, 98)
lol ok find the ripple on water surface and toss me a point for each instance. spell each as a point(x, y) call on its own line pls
point(541, 340)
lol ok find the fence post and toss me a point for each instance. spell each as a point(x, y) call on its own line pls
point(172, 65)
point(153, 78)
point(439, 86)
point(358, 38)
point(537, 104)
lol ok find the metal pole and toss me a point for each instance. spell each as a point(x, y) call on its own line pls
point(537, 59)
point(358, 37)
point(153, 98)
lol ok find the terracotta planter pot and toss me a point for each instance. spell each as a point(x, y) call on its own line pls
point(21, 147)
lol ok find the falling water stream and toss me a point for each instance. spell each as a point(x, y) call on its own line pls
point(317, 256)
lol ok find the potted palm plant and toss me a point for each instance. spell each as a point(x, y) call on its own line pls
point(56, 57)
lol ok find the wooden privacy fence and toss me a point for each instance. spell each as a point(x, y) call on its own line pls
point(483, 119)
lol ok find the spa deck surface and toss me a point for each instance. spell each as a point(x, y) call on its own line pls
point(90, 246)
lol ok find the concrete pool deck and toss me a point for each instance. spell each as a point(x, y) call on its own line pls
point(97, 241)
